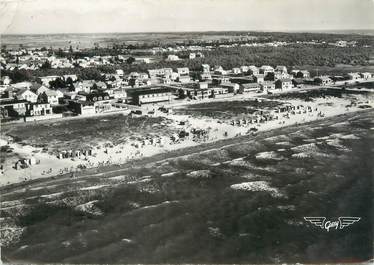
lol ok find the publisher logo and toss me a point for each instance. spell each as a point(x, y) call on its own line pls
point(341, 223)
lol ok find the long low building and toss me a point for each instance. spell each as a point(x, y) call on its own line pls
point(153, 95)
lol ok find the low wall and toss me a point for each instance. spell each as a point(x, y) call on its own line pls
point(45, 117)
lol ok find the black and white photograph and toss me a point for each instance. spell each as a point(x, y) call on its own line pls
point(186, 131)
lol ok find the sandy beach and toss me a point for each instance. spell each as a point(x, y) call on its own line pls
point(106, 153)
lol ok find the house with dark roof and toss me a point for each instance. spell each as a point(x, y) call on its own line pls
point(13, 108)
point(283, 84)
point(323, 80)
point(26, 94)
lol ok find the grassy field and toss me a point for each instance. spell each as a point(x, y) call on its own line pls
point(183, 210)
point(226, 109)
point(87, 132)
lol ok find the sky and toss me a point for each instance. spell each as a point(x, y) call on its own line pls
point(101, 16)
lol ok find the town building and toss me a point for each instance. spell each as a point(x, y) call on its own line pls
point(259, 78)
point(203, 85)
point(100, 100)
point(172, 57)
point(220, 80)
point(200, 93)
point(323, 80)
point(205, 76)
point(120, 72)
point(244, 69)
point(281, 69)
point(366, 75)
point(205, 68)
point(219, 91)
point(249, 87)
point(265, 69)
point(184, 79)
point(155, 95)
point(267, 86)
point(40, 109)
point(183, 71)
point(236, 71)
point(84, 86)
point(13, 108)
point(232, 87)
point(53, 96)
point(5, 80)
point(26, 94)
point(354, 76)
point(82, 107)
point(283, 84)
point(253, 70)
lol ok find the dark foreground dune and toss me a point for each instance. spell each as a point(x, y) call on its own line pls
point(193, 209)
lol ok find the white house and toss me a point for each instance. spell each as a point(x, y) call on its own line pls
point(236, 70)
point(184, 79)
point(6, 80)
point(28, 95)
point(54, 96)
point(172, 57)
point(205, 68)
point(265, 69)
point(183, 71)
point(281, 69)
point(267, 86)
point(84, 86)
point(40, 109)
point(354, 76)
point(120, 72)
point(366, 75)
point(244, 68)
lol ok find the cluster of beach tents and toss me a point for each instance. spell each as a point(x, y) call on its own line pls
point(72, 154)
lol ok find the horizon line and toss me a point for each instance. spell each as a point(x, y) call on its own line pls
point(195, 31)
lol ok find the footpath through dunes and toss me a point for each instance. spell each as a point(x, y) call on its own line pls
point(236, 200)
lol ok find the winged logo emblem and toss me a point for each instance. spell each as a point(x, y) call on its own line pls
point(342, 222)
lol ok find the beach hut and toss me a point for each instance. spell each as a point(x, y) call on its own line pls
point(17, 165)
point(32, 161)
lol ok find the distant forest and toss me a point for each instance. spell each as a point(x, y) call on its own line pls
point(318, 55)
